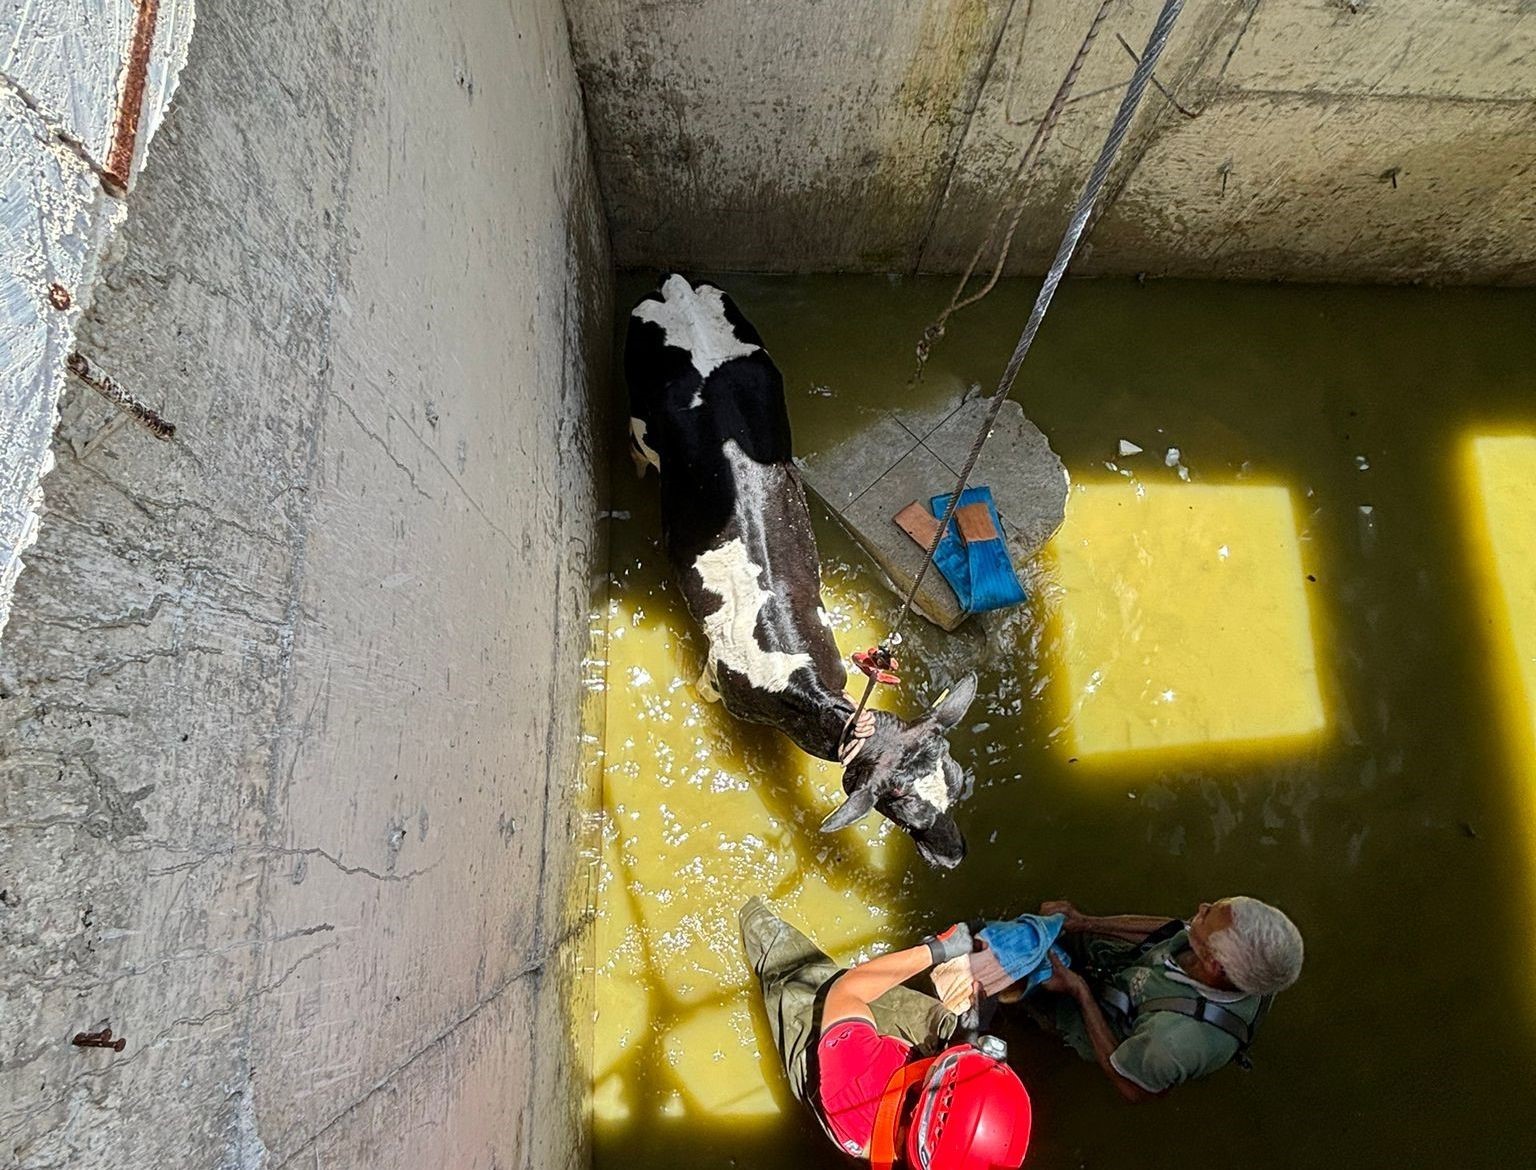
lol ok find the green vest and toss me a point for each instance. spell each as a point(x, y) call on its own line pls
point(1159, 1049)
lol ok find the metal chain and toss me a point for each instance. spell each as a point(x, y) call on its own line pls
point(1081, 214)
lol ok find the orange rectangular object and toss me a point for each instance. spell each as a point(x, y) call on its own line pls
point(915, 521)
point(975, 521)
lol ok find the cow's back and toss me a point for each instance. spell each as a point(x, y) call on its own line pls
point(700, 379)
point(709, 412)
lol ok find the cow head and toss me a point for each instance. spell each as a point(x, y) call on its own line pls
point(905, 771)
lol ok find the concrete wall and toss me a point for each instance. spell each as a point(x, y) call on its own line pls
point(289, 708)
point(82, 91)
point(1320, 140)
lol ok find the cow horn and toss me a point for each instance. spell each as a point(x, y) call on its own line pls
point(857, 805)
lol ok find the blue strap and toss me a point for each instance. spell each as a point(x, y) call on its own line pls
point(980, 573)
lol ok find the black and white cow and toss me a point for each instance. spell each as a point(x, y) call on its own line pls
point(708, 412)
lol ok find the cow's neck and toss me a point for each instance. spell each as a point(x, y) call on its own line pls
point(832, 710)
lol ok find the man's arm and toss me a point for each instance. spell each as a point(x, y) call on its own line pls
point(858, 987)
point(1102, 1037)
point(1130, 927)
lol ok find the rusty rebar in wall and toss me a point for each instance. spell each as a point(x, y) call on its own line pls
point(81, 367)
point(130, 108)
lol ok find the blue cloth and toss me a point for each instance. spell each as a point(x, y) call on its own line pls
point(951, 559)
point(980, 573)
point(1023, 946)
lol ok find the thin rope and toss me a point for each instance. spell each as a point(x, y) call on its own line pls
point(1081, 214)
point(1036, 147)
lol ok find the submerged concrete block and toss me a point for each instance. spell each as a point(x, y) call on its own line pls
point(918, 454)
point(841, 474)
point(915, 476)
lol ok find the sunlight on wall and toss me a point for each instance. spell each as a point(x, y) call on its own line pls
point(1500, 479)
point(703, 812)
point(1183, 617)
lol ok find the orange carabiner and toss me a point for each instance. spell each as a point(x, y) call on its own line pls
point(878, 663)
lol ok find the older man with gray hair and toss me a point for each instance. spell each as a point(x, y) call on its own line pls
point(1158, 1002)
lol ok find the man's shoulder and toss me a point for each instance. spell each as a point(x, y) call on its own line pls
point(856, 1034)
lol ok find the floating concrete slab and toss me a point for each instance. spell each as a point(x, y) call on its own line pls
point(916, 453)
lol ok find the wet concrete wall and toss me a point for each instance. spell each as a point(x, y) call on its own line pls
point(289, 708)
point(1371, 140)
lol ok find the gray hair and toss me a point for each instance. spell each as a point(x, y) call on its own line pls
point(1261, 951)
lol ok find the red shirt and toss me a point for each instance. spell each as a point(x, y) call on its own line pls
point(856, 1063)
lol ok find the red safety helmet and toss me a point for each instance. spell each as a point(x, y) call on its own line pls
point(972, 1113)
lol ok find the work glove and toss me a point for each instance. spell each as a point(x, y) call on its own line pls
point(950, 943)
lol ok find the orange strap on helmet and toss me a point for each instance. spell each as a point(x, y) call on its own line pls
point(885, 1141)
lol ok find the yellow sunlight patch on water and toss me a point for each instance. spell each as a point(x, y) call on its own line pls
point(1500, 477)
point(1183, 618)
point(701, 812)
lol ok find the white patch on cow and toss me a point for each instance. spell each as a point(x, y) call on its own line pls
point(642, 450)
point(934, 788)
point(730, 574)
point(693, 319)
point(824, 617)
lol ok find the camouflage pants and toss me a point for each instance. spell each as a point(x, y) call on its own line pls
point(795, 975)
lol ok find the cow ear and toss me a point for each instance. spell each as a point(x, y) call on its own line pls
point(859, 802)
point(953, 703)
point(941, 843)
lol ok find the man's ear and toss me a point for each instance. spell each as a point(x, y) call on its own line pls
point(1219, 971)
point(858, 804)
point(954, 702)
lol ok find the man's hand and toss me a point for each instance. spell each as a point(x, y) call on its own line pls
point(1064, 980)
point(853, 742)
point(1077, 922)
point(957, 987)
point(951, 943)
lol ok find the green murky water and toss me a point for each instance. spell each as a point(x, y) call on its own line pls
point(1397, 839)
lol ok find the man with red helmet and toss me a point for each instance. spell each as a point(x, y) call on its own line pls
point(872, 1059)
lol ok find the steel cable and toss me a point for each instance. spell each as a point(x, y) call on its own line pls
point(1081, 214)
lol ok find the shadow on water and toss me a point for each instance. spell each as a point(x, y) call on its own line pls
point(1396, 839)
